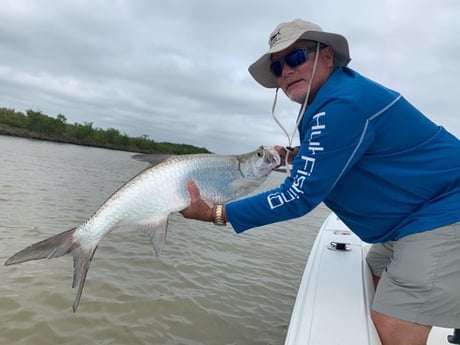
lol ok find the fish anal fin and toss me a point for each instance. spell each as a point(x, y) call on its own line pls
point(156, 232)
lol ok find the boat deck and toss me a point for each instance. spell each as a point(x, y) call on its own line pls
point(336, 292)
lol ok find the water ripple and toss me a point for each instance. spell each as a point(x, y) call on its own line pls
point(210, 286)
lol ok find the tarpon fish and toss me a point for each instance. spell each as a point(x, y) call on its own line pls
point(146, 201)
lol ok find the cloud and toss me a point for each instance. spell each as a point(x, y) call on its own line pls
point(177, 70)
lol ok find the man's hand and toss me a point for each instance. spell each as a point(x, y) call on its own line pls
point(198, 208)
point(283, 152)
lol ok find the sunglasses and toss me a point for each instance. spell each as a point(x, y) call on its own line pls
point(293, 59)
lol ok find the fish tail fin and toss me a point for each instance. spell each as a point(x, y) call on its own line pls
point(56, 246)
point(52, 247)
point(81, 261)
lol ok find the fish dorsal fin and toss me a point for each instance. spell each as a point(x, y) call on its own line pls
point(156, 232)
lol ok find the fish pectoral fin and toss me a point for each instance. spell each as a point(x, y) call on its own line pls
point(156, 232)
point(244, 184)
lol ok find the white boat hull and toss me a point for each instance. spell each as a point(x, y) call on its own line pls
point(336, 292)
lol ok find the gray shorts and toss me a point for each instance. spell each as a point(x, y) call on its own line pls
point(420, 277)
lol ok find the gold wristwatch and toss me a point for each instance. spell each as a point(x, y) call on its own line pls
point(219, 215)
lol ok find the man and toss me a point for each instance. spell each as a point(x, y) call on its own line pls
point(385, 169)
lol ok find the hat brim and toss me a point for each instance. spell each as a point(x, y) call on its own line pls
point(260, 70)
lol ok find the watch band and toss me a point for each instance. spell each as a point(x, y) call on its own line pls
point(219, 215)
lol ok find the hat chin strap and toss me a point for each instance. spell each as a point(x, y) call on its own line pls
point(299, 116)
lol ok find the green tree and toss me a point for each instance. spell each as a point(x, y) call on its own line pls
point(35, 122)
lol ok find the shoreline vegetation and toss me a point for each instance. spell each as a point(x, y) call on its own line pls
point(36, 125)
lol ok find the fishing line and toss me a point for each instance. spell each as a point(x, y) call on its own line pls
point(299, 116)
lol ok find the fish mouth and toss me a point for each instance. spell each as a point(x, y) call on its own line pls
point(273, 156)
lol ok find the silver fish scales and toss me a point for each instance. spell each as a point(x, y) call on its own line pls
point(145, 202)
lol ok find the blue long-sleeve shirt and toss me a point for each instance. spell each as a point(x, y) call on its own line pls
point(383, 167)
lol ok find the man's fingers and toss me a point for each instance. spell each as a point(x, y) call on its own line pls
point(193, 190)
point(282, 152)
point(198, 208)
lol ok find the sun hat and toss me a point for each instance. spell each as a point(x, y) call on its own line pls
point(285, 35)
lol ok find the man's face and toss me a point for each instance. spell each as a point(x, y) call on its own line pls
point(294, 80)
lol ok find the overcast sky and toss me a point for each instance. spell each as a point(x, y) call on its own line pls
point(176, 70)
